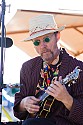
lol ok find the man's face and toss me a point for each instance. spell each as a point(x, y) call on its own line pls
point(46, 46)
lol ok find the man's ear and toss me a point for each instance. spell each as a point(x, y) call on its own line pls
point(58, 36)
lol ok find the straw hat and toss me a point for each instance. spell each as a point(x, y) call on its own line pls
point(41, 25)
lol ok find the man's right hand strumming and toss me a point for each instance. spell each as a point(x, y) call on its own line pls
point(29, 104)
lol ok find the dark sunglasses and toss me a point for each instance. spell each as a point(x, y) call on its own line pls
point(37, 42)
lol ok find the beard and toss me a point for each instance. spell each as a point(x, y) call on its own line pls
point(47, 55)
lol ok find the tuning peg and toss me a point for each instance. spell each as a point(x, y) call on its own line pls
point(74, 81)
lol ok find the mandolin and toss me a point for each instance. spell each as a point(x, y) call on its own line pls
point(46, 101)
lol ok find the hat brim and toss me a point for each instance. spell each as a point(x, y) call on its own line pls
point(41, 33)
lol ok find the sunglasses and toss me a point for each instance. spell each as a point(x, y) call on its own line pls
point(37, 42)
point(46, 40)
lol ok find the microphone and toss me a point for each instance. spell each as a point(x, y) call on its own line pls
point(7, 42)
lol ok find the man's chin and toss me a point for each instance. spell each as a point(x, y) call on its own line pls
point(46, 58)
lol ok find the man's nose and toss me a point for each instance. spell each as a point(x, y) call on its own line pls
point(43, 44)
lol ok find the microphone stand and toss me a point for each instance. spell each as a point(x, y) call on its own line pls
point(1, 60)
point(3, 41)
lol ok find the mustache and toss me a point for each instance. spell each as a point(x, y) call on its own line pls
point(46, 50)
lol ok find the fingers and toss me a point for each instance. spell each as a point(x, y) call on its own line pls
point(31, 100)
point(34, 99)
point(60, 78)
point(50, 91)
point(33, 108)
point(31, 104)
point(55, 88)
point(59, 82)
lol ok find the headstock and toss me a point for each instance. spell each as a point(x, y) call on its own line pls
point(72, 77)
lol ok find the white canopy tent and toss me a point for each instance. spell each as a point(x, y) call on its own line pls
point(69, 13)
point(72, 36)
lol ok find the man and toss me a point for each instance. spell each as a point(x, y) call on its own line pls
point(47, 74)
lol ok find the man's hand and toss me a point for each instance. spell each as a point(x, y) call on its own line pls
point(30, 104)
point(59, 92)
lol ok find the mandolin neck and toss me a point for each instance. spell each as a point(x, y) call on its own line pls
point(69, 78)
point(44, 96)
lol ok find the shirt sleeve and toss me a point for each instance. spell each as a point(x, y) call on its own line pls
point(22, 93)
point(76, 112)
point(29, 76)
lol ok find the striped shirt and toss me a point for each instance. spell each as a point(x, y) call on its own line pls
point(29, 76)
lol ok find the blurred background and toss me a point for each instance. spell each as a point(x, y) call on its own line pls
point(17, 15)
